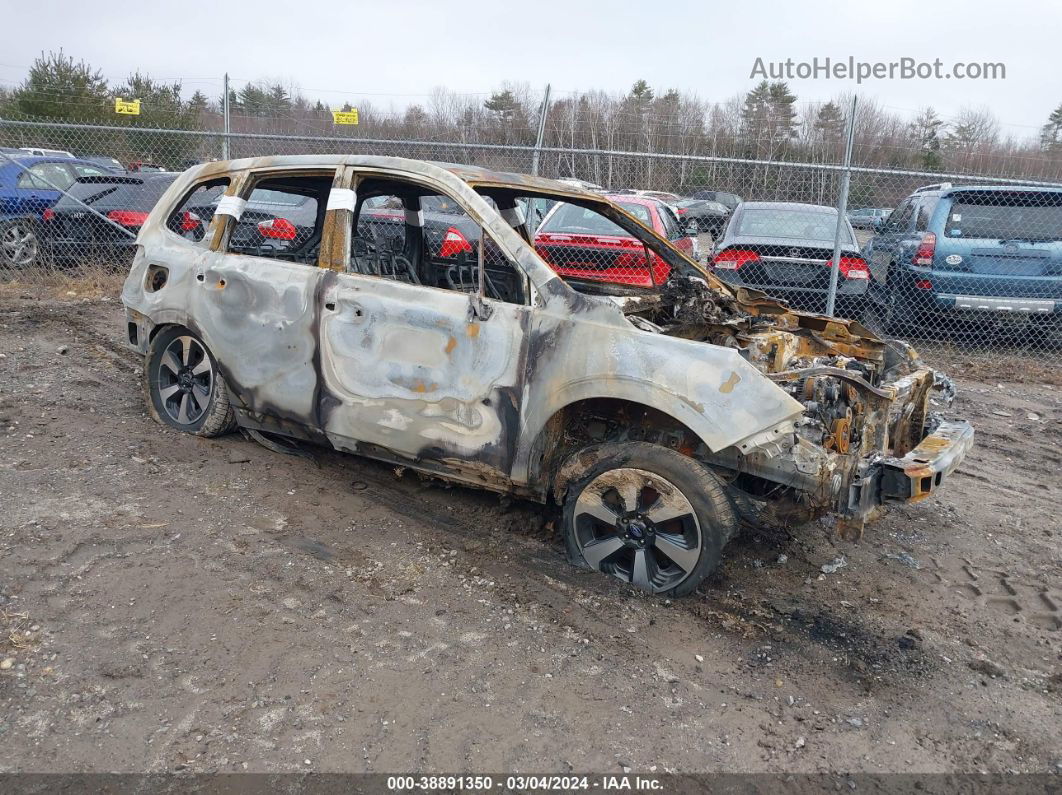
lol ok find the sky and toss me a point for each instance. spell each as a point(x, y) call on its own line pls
point(395, 53)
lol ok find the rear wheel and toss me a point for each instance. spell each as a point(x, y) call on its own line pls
point(19, 245)
point(649, 516)
point(185, 388)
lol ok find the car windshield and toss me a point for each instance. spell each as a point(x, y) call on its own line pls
point(802, 224)
point(1026, 216)
point(574, 219)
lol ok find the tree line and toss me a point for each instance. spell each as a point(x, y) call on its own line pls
point(587, 134)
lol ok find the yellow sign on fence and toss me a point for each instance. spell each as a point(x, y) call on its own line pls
point(128, 108)
point(345, 116)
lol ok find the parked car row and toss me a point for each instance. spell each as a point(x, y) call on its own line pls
point(944, 254)
point(973, 258)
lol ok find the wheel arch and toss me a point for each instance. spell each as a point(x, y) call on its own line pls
point(551, 459)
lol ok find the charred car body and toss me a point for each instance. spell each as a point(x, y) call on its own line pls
point(658, 417)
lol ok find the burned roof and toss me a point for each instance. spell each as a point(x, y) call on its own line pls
point(473, 175)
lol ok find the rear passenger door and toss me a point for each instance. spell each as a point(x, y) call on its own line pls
point(256, 300)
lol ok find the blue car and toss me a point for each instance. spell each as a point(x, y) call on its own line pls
point(28, 188)
point(972, 259)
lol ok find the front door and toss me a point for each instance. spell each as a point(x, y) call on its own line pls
point(413, 369)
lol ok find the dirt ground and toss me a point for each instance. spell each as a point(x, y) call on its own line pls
point(173, 603)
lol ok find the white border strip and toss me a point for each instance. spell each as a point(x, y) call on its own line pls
point(231, 205)
point(341, 199)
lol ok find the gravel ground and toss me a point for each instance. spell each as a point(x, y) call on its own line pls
point(174, 603)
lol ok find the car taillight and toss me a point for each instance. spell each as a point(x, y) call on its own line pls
point(924, 254)
point(681, 210)
point(128, 217)
point(733, 258)
point(48, 215)
point(853, 268)
point(454, 243)
point(923, 284)
point(190, 222)
point(278, 229)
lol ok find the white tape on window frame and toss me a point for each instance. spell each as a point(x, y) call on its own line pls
point(341, 199)
point(513, 216)
point(231, 205)
point(415, 217)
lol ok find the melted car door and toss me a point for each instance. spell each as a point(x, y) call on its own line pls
point(256, 302)
point(409, 371)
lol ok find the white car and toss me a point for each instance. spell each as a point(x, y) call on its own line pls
point(40, 152)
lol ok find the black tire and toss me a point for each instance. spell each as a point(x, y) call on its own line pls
point(201, 398)
point(877, 316)
point(698, 535)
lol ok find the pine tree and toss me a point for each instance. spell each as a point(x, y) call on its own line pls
point(503, 104)
point(1051, 133)
point(829, 123)
point(926, 131)
point(253, 101)
point(59, 88)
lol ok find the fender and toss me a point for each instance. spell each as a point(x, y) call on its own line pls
point(731, 402)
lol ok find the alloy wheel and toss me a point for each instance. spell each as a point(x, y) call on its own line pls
point(18, 244)
point(638, 526)
point(185, 380)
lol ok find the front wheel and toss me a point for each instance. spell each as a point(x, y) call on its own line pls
point(649, 516)
point(185, 388)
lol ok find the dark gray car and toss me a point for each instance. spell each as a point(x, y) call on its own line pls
point(786, 248)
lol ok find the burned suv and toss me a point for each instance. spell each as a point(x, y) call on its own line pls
point(658, 416)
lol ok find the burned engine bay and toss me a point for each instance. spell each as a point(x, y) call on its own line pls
point(866, 400)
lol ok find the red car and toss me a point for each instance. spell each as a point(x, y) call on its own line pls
point(582, 244)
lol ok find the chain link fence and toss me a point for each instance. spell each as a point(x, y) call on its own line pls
point(971, 263)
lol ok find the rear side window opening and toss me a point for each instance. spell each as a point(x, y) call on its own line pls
point(283, 218)
point(192, 216)
point(1026, 216)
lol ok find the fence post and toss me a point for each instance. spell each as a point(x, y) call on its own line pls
point(541, 132)
point(842, 209)
point(225, 116)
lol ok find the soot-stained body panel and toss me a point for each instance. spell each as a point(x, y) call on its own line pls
point(471, 387)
